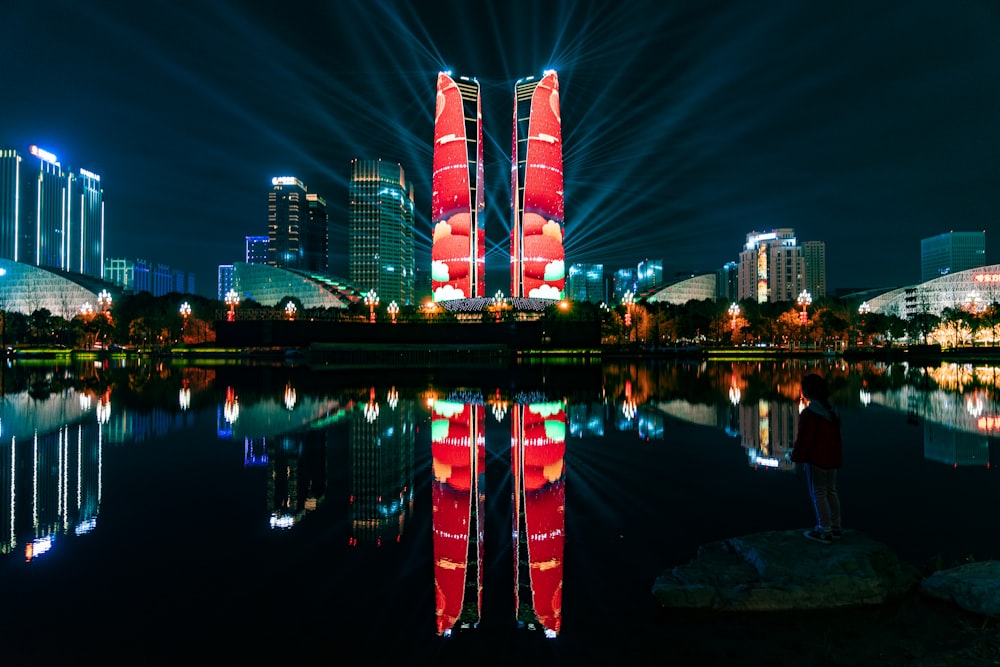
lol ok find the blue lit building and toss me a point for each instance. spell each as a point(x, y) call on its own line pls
point(50, 216)
point(585, 282)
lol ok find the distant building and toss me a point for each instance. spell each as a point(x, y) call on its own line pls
point(585, 282)
point(380, 230)
point(25, 289)
point(951, 252)
point(140, 275)
point(226, 279)
point(624, 281)
point(771, 267)
point(972, 289)
point(256, 250)
point(649, 275)
point(814, 254)
point(696, 288)
point(727, 282)
point(49, 216)
point(268, 285)
point(287, 213)
point(316, 236)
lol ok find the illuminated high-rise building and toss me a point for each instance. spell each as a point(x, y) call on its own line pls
point(772, 267)
point(50, 217)
point(951, 252)
point(287, 212)
point(380, 228)
point(585, 282)
point(537, 258)
point(458, 254)
point(316, 236)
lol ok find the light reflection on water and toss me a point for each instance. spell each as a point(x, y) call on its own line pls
point(481, 502)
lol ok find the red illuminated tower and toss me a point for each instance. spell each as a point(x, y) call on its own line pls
point(537, 258)
point(458, 253)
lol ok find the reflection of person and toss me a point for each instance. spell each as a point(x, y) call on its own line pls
point(818, 446)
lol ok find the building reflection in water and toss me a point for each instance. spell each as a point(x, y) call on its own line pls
point(538, 462)
point(458, 449)
point(381, 468)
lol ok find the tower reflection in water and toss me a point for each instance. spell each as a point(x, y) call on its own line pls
point(538, 448)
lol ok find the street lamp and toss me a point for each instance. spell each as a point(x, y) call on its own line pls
point(627, 300)
point(371, 300)
point(232, 300)
point(104, 302)
point(498, 303)
point(185, 312)
point(86, 309)
point(734, 312)
point(290, 310)
point(805, 298)
point(393, 310)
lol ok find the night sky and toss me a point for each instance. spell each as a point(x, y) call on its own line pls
point(686, 125)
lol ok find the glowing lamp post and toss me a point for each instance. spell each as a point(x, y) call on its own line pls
point(628, 299)
point(393, 310)
point(371, 300)
point(104, 303)
point(290, 310)
point(232, 300)
point(185, 313)
point(734, 312)
point(805, 298)
point(86, 309)
point(498, 303)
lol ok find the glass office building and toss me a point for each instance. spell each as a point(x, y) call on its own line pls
point(380, 230)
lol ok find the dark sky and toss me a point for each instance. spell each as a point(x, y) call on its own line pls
point(686, 125)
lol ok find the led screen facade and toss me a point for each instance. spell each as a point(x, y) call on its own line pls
point(458, 253)
point(538, 462)
point(458, 447)
point(536, 248)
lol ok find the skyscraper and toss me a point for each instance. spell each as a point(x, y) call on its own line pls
point(585, 282)
point(458, 253)
point(316, 236)
point(950, 252)
point(537, 258)
point(287, 211)
point(50, 217)
point(814, 253)
point(380, 229)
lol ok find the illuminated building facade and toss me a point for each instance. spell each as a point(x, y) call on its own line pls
point(972, 289)
point(458, 253)
point(585, 282)
point(537, 255)
point(287, 212)
point(257, 249)
point(50, 217)
point(225, 280)
point(140, 275)
point(380, 227)
point(772, 267)
point(649, 275)
point(951, 252)
point(624, 281)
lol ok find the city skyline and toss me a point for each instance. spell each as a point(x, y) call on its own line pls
point(685, 127)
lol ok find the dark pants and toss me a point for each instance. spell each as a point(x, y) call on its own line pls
point(823, 490)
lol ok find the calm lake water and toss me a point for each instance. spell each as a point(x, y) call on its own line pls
point(156, 513)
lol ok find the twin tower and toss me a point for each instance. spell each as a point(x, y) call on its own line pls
point(458, 254)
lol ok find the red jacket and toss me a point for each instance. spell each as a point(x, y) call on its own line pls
point(817, 439)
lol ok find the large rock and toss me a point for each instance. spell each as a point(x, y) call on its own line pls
point(782, 570)
point(974, 587)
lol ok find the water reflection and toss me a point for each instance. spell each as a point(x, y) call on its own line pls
point(60, 426)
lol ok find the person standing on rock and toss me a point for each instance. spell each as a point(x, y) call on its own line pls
point(818, 446)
